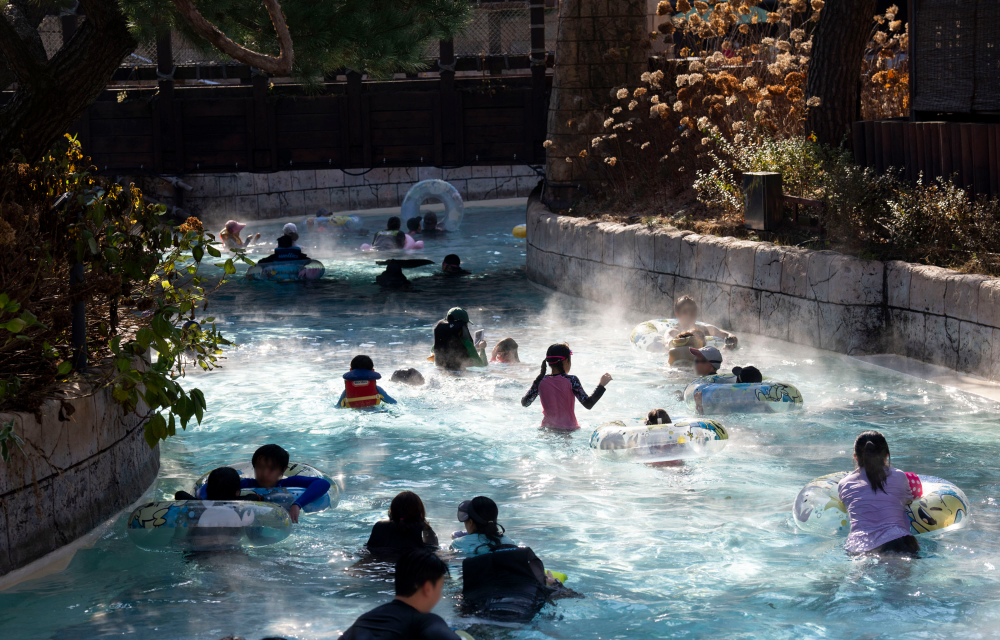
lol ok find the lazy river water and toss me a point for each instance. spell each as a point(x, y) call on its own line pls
point(708, 549)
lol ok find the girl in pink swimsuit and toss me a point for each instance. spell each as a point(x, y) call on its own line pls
point(559, 390)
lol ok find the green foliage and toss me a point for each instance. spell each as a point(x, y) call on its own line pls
point(54, 214)
point(878, 215)
point(9, 440)
point(374, 36)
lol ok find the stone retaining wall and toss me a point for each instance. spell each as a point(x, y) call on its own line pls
point(262, 196)
point(84, 460)
point(818, 298)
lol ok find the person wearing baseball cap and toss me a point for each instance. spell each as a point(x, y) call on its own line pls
point(483, 533)
point(707, 360)
point(454, 348)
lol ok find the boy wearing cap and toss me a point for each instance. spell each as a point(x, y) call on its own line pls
point(707, 360)
point(454, 348)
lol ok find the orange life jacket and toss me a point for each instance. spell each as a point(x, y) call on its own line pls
point(361, 393)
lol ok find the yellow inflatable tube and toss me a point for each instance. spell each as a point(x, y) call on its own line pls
point(520, 231)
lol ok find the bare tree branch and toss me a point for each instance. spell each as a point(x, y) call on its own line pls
point(280, 66)
point(20, 44)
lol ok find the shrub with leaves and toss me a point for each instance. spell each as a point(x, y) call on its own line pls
point(141, 284)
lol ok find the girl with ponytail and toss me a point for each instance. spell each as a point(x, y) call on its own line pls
point(876, 496)
point(483, 533)
point(558, 390)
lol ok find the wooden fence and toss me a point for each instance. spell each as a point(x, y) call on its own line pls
point(968, 153)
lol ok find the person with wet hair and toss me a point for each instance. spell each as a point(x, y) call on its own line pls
point(559, 390)
point(407, 528)
point(454, 345)
point(419, 581)
point(452, 266)
point(483, 533)
point(429, 227)
point(875, 495)
point(505, 352)
point(390, 238)
point(657, 416)
point(686, 312)
point(408, 376)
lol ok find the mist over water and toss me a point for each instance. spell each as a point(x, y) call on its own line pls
point(708, 549)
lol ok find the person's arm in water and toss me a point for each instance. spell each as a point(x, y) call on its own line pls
point(386, 398)
point(340, 402)
point(315, 488)
point(532, 393)
point(589, 401)
point(712, 330)
point(477, 356)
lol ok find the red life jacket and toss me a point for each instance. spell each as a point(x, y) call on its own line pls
point(361, 393)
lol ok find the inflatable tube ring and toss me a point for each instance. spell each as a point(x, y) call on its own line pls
point(207, 525)
point(520, 231)
point(454, 208)
point(722, 394)
point(283, 496)
point(651, 336)
point(287, 271)
point(818, 509)
point(683, 439)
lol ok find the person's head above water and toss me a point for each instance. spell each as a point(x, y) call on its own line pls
point(686, 311)
point(505, 351)
point(430, 221)
point(408, 376)
point(285, 242)
point(658, 416)
point(233, 227)
point(558, 357)
point(413, 224)
point(479, 515)
point(457, 315)
point(747, 374)
point(269, 463)
point(407, 509)
point(451, 264)
point(393, 223)
point(362, 362)
point(420, 579)
point(706, 360)
point(223, 484)
point(291, 231)
point(871, 453)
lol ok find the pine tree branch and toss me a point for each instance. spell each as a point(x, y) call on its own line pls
point(280, 66)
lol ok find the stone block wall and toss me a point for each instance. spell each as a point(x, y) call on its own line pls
point(84, 460)
point(818, 298)
point(301, 192)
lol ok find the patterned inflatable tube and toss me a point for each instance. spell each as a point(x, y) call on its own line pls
point(283, 496)
point(722, 394)
point(287, 271)
point(207, 525)
point(818, 509)
point(680, 440)
point(454, 208)
point(649, 336)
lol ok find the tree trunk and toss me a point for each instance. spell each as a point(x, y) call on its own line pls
point(51, 95)
point(835, 67)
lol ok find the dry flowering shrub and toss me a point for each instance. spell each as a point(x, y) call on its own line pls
point(885, 77)
point(740, 79)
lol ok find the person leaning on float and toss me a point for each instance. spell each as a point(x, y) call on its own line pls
point(453, 345)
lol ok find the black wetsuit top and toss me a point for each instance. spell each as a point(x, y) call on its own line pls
point(507, 584)
point(392, 539)
point(398, 620)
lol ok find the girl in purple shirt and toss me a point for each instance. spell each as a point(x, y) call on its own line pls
point(876, 496)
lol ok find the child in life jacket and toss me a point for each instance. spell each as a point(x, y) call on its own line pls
point(360, 390)
point(559, 389)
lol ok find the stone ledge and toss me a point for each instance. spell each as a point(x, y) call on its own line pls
point(819, 298)
point(84, 460)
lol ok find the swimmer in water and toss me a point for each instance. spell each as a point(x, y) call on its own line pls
point(559, 389)
point(686, 312)
point(452, 266)
point(505, 352)
point(230, 236)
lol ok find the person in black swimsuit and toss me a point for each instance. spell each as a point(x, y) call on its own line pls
point(406, 529)
point(419, 581)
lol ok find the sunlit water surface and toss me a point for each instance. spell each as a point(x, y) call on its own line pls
point(707, 549)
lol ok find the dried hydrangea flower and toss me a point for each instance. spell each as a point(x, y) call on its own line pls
point(616, 110)
point(622, 94)
point(814, 101)
point(632, 105)
point(641, 91)
point(547, 144)
point(645, 145)
point(797, 34)
point(583, 153)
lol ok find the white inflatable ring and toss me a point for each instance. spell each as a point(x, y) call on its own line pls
point(650, 335)
point(818, 508)
point(284, 496)
point(722, 394)
point(207, 525)
point(680, 440)
point(454, 209)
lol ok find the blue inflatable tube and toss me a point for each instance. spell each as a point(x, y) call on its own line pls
point(287, 270)
point(454, 208)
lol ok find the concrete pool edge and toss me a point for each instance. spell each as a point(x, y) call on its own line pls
point(84, 460)
point(821, 299)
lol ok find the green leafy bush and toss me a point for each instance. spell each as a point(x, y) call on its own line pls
point(142, 283)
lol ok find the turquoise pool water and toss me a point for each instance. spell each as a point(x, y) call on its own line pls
point(704, 550)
